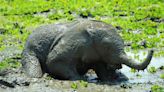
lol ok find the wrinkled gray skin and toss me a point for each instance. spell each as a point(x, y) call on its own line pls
point(68, 50)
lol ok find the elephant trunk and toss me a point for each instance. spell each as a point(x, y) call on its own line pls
point(139, 66)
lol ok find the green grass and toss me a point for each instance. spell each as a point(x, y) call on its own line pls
point(138, 19)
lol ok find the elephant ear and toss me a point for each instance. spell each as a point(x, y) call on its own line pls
point(139, 66)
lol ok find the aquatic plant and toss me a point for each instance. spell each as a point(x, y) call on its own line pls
point(74, 85)
point(152, 69)
point(157, 88)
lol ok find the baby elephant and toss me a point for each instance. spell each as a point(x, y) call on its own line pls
point(68, 50)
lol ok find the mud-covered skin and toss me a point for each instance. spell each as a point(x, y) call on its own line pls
point(67, 51)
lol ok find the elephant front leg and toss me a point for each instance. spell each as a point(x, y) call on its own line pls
point(82, 68)
point(101, 71)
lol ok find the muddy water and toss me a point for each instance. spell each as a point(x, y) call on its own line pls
point(138, 82)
